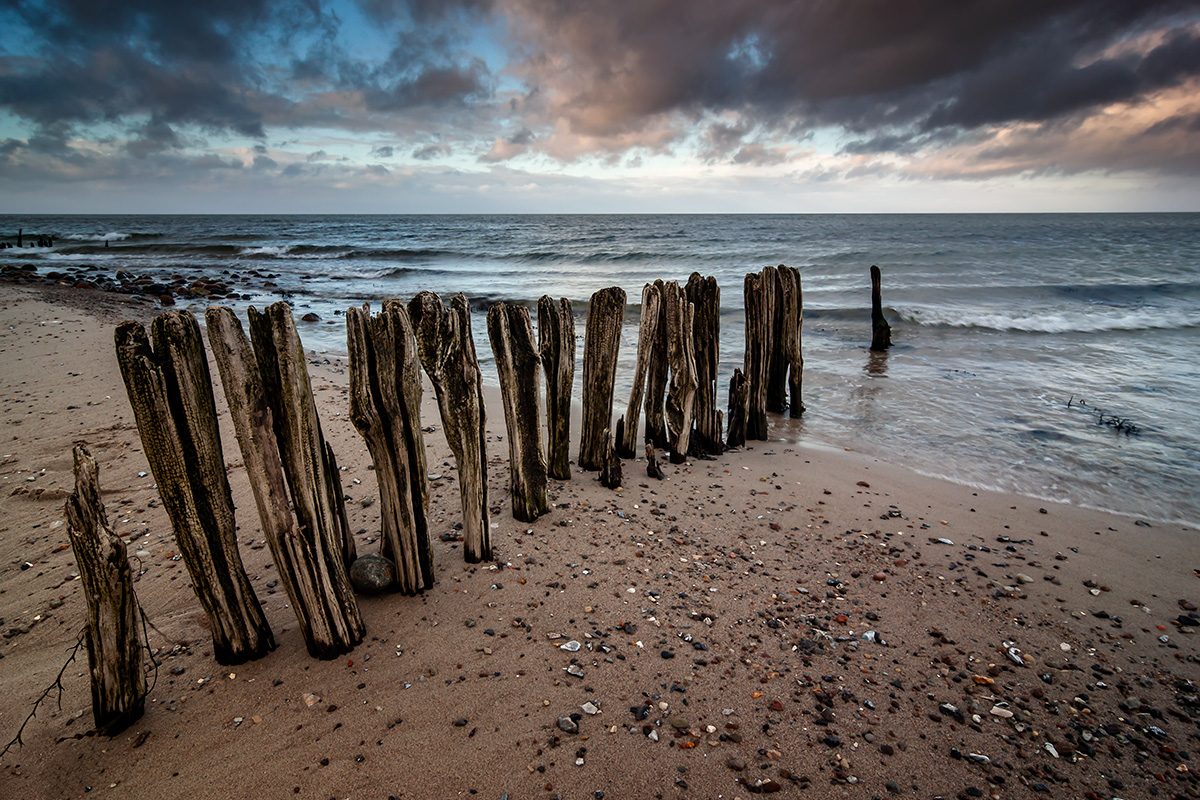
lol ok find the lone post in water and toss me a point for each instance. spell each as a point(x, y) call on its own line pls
point(881, 332)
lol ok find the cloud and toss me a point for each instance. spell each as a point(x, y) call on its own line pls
point(509, 147)
point(926, 89)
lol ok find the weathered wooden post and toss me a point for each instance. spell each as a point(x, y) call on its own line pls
point(656, 377)
point(308, 460)
point(114, 643)
point(681, 397)
point(705, 297)
point(648, 330)
point(517, 365)
point(385, 407)
point(556, 346)
point(610, 470)
point(787, 364)
point(881, 332)
point(653, 468)
point(447, 353)
point(602, 340)
point(170, 390)
point(759, 290)
point(739, 409)
point(309, 564)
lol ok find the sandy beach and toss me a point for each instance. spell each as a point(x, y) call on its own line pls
point(783, 618)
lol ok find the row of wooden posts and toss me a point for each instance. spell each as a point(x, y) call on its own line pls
point(294, 474)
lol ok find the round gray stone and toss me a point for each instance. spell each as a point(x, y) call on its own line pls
point(372, 574)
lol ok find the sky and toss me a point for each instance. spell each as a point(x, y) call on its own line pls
point(648, 106)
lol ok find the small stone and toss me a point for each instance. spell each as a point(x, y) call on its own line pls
point(879, 576)
point(311, 316)
point(567, 725)
point(736, 764)
point(1023, 578)
point(893, 787)
point(679, 723)
point(461, 722)
point(590, 708)
point(667, 654)
point(571, 646)
point(372, 574)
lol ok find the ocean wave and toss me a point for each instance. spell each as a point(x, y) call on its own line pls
point(111, 236)
point(1090, 320)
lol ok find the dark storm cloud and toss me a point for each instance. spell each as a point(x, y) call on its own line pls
point(216, 64)
point(872, 67)
point(740, 82)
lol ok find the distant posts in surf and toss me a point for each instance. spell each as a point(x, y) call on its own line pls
point(447, 353)
point(556, 348)
point(307, 557)
point(385, 407)
point(171, 393)
point(113, 633)
point(602, 339)
point(881, 332)
point(517, 365)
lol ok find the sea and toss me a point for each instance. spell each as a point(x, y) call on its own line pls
point(1052, 355)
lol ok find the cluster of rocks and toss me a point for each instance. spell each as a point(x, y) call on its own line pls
point(164, 289)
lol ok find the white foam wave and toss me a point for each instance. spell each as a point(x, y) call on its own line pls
point(111, 236)
point(1050, 321)
point(281, 250)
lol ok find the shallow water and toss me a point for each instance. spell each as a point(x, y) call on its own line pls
point(1003, 324)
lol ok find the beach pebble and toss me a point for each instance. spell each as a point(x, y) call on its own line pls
point(567, 725)
point(372, 574)
point(590, 708)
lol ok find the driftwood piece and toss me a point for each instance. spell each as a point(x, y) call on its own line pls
point(759, 289)
point(447, 353)
point(610, 470)
point(385, 407)
point(705, 297)
point(653, 468)
point(171, 393)
point(114, 642)
point(739, 409)
point(602, 340)
point(787, 364)
point(881, 332)
point(556, 346)
point(308, 461)
point(317, 587)
point(517, 365)
point(648, 340)
point(681, 396)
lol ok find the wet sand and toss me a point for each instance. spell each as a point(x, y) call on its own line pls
point(782, 616)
